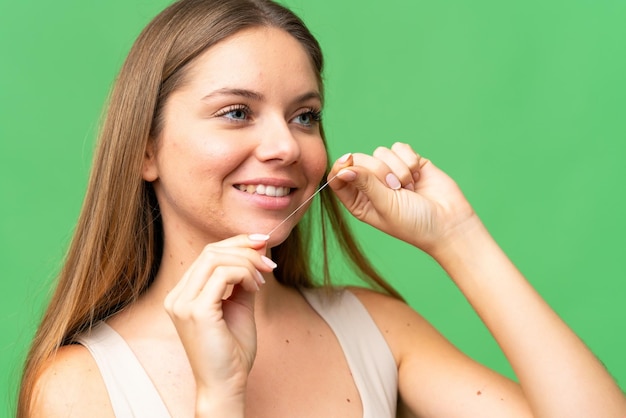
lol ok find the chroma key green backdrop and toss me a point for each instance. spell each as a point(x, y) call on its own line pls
point(523, 103)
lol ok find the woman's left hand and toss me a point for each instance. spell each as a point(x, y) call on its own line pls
point(402, 194)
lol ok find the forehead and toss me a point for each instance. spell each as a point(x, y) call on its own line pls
point(255, 58)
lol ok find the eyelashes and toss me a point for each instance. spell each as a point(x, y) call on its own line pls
point(309, 116)
point(315, 114)
point(239, 113)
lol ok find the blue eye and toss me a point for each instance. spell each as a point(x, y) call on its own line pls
point(235, 113)
point(309, 117)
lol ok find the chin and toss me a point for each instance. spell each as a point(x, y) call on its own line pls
point(279, 236)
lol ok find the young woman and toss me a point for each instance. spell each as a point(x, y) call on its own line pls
point(185, 294)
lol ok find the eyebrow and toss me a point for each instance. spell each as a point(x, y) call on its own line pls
point(253, 95)
point(248, 94)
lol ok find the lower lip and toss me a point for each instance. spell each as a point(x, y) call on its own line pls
point(267, 202)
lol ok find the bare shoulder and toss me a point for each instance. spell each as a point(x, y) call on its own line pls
point(70, 385)
point(400, 324)
point(434, 377)
point(374, 300)
point(384, 309)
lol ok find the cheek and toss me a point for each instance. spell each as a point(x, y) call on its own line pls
point(201, 156)
point(318, 161)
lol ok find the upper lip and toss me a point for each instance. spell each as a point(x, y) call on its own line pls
point(270, 181)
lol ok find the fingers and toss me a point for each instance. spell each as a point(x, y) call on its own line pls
point(413, 161)
point(400, 174)
point(220, 266)
point(255, 241)
point(396, 167)
point(226, 266)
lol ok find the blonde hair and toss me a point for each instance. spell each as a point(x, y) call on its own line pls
point(116, 249)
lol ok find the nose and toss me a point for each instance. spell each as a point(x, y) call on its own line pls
point(277, 142)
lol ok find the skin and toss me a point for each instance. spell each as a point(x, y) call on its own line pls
point(232, 342)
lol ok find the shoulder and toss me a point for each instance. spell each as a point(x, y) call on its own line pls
point(400, 324)
point(70, 385)
point(433, 375)
point(415, 343)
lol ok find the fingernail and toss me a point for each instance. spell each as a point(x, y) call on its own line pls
point(344, 158)
point(392, 181)
point(347, 175)
point(269, 262)
point(259, 237)
point(260, 276)
point(410, 187)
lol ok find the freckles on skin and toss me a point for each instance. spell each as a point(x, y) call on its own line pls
point(175, 157)
point(204, 150)
point(322, 169)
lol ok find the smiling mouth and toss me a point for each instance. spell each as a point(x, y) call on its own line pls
point(265, 190)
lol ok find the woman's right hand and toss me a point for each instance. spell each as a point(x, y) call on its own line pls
point(212, 308)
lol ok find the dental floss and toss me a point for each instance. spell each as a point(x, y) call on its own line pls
point(302, 204)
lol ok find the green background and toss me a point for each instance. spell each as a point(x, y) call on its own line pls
point(521, 102)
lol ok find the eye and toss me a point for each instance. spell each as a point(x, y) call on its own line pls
point(235, 113)
point(308, 117)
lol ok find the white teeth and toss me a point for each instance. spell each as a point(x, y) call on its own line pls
point(274, 191)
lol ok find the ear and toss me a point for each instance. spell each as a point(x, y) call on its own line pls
point(149, 170)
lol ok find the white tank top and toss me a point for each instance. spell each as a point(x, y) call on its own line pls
point(369, 358)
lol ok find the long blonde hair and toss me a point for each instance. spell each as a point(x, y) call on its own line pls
point(116, 249)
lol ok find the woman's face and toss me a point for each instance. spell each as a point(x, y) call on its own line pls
point(240, 147)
